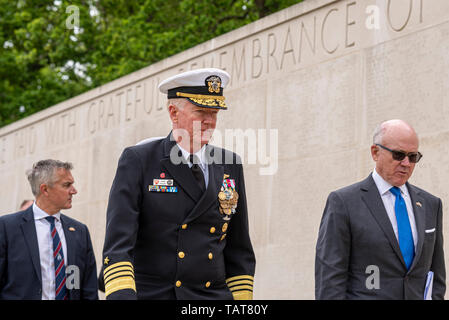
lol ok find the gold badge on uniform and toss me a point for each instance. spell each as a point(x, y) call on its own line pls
point(213, 84)
point(228, 198)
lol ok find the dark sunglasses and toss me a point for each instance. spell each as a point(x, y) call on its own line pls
point(413, 157)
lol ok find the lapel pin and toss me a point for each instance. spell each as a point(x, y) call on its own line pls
point(418, 204)
point(71, 229)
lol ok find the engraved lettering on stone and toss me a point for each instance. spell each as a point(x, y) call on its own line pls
point(24, 142)
point(271, 48)
point(399, 27)
point(288, 48)
point(348, 24)
point(61, 128)
point(221, 58)
point(304, 34)
point(257, 59)
point(238, 68)
point(330, 51)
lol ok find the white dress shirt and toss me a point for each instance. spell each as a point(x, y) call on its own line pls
point(45, 242)
point(201, 154)
point(389, 199)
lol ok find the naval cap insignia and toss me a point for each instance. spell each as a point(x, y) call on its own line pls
point(213, 83)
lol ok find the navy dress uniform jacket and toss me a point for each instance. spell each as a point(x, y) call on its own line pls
point(175, 245)
point(20, 269)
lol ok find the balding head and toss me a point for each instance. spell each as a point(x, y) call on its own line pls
point(393, 128)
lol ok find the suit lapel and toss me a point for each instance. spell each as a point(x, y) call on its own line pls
point(70, 240)
point(29, 233)
point(371, 196)
point(420, 220)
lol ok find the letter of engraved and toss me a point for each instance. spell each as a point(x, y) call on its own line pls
point(330, 51)
point(288, 42)
point(256, 57)
point(400, 28)
point(349, 23)
point(91, 118)
point(270, 52)
point(304, 32)
point(237, 69)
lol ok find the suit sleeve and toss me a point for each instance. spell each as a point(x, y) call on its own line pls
point(239, 255)
point(89, 290)
point(122, 227)
point(332, 251)
point(438, 265)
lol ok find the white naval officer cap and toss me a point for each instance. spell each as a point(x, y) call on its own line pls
point(202, 87)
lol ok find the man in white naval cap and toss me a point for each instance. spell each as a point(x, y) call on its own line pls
point(177, 221)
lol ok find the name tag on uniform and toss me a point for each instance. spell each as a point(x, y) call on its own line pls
point(153, 188)
point(163, 182)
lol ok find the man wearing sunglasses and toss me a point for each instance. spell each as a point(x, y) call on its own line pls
point(381, 238)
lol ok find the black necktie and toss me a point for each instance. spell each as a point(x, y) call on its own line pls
point(197, 172)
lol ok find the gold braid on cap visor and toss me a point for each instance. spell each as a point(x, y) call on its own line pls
point(210, 101)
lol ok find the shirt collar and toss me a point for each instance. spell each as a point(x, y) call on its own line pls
point(40, 214)
point(201, 154)
point(383, 186)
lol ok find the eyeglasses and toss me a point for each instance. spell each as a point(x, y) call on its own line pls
point(413, 157)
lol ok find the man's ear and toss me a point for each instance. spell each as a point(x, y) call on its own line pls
point(374, 152)
point(173, 112)
point(43, 188)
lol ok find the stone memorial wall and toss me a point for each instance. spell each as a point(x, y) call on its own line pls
point(308, 86)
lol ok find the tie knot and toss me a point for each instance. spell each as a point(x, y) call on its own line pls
point(194, 159)
point(50, 219)
point(396, 191)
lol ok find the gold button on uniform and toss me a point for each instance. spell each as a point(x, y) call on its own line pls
point(223, 236)
point(184, 226)
point(178, 283)
point(181, 254)
point(212, 230)
point(210, 256)
point(207, 284)
point(225, 227)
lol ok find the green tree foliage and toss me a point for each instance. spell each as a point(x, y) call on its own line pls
point(51, 51)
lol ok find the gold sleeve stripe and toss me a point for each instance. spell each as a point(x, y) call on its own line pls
point(244, 277)
point(118, 264)
point(238, 288)
point(118, 269)
point(236, 283)
point(242, 295)
point(121, 283)
point(118, 275)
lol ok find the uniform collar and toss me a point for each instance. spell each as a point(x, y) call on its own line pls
point(201, 154)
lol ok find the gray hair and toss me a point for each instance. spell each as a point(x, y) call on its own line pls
point(378, 134)
point(43, 171)
point(178, 102)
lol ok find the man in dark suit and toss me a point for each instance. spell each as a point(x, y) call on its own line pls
point(177, 221)
point(381, 238)
point(45, 255)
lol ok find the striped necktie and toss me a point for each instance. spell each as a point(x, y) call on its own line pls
point(405, 236)
point(58, 256)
